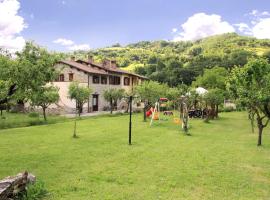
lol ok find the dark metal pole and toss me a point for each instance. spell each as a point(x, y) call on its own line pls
point(130, 120)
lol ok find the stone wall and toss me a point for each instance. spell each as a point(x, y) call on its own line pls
point(78, 75)
point(12, 187)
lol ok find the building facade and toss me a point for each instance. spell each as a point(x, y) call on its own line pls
point(99, 77)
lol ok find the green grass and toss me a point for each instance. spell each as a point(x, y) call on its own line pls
point(219, 161)
point(15, 120)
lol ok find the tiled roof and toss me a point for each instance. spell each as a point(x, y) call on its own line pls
point(84, 68)
point(111, 69)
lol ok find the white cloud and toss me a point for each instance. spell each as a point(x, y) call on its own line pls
point(63, 41)
point(261, 30)
point(201, 25)
point(174, 30)
point(83, 47)
point(259, 25)
point(70, 45)
point(11, 25)
point(265, 13)
point(254, 13)
point(257, 13)
point(244, 28)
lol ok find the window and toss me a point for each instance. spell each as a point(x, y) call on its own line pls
point(114, 80)
point(126, 81)
point(70, 76)
point(96, 79)
point(61, 78)
point(103, 80)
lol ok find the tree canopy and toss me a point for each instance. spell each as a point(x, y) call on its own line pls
point(250, 85)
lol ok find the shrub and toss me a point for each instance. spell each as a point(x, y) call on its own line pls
point(229, 109)
point(33, 114)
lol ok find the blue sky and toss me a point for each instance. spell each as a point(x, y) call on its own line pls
point(100, 23)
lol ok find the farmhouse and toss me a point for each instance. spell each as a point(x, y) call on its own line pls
point(98, 76)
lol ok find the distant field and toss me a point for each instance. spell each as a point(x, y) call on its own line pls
point(220, 160)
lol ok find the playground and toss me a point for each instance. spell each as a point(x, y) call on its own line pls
point(218, 160)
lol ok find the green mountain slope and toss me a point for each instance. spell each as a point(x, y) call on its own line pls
point(180, 62)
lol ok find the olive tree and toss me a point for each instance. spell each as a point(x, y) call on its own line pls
point(44, 98)
point(250, 85)
point(213, 98)
point(81, 95)
point(112, 95)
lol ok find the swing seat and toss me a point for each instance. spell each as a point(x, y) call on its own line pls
point(176, 121)
point(156, 116)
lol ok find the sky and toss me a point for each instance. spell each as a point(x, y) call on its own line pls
point(67, 25)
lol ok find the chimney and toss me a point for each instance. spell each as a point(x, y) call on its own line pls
point(106, 63)
point(109, 63)
point(90, 59)
point(72, 58)
point(113, 64)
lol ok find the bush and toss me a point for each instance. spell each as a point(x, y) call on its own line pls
point(228, 109)
point(35, 191)
point(33, 114)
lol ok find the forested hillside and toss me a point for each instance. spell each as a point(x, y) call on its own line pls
point(181, 62)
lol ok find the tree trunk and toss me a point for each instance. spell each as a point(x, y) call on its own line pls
point(212, 112)
point(216, 111)
point(111, 105)
point(260, 129)
point(206, 119)
point(252, 124)
point(260, 136)
point(1, 112)
point(127, 107)
point(144, 112)
point(44, 113)
point(75, 126)
point(79, 111)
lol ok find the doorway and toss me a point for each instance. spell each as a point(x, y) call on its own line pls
point(95, 102)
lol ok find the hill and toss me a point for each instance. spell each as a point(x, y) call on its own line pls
point(181, 62)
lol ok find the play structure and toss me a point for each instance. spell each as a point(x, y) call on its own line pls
point(160, 107)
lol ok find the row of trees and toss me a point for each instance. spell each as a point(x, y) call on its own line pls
point(24, 77)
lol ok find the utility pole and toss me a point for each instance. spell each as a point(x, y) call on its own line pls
point(130, 119)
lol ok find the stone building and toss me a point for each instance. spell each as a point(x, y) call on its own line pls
point(99, 77)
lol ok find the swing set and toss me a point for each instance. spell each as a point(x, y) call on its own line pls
point(155, 115)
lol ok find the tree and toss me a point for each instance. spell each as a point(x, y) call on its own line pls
point(81, 95)
point(44, 98)
point(150, 92)
point(34, 69)
point(213, 98)
point(7, 86)
point(212, 78)
point(250, 85)
point(112, 96)
point(3, 94)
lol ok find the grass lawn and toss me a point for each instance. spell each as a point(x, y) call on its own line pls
point(13, 120)
point(219, 161)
